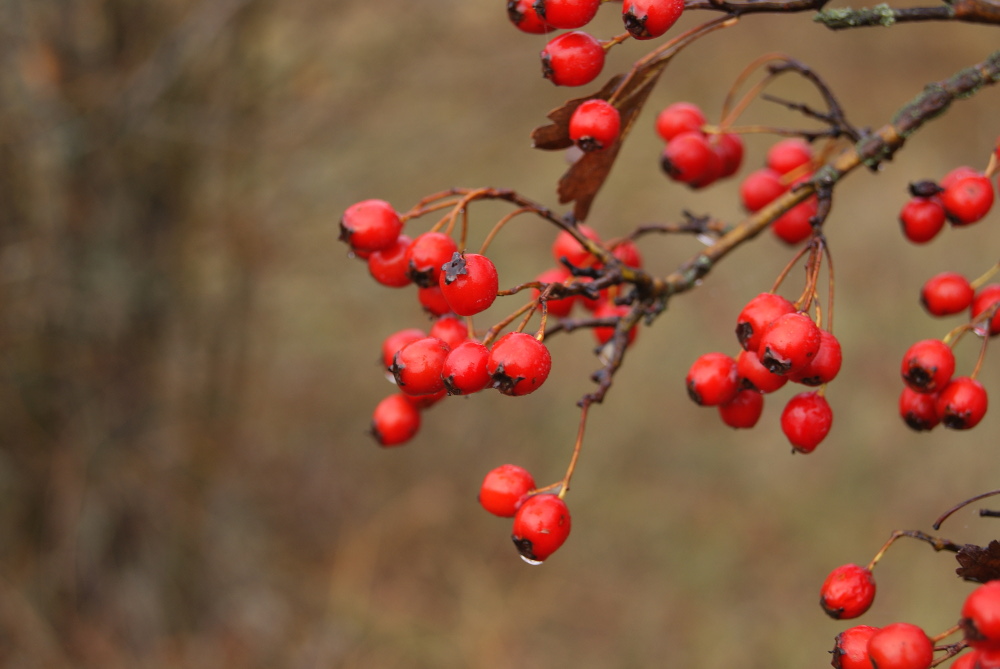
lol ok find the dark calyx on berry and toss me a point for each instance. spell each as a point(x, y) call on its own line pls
point(524, 547)
point(925, 188)
point(454, 267)
point(503, 382)
point(635, 25)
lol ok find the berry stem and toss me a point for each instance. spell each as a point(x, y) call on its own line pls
point(986, 276)
point(944, 516)
point(496, 329)
point(937, 543)
point(986, 339)
point(945, 634)
point(732, 110)
point(499, 224)
point(576, 450)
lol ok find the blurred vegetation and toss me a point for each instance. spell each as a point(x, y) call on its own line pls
point(188, 357)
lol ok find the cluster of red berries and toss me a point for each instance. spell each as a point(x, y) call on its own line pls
point(963, 197)
point(576, 58)
point(692, 156)
point(780, 343)
point(447, 360)
point(789, 161)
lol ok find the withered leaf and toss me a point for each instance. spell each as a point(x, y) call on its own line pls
point(979, 564)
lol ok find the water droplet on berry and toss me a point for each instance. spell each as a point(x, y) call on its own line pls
point(530, 561)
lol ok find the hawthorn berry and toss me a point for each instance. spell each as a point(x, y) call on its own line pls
point(928, 365)
point(523, 15)
point(689, 158)
point(627, 253)
point(847, 592)
point(756, 376)
point(919, 410)
point(822, 367)
point(901, 646)
point(678, 118)
point(464, 370)
point(370, 225)
point(594, 125)
point(984, 300)
point(806, 421)
point(567, 248)
point(604, 333)
point(572, 59)
point(422, 402)
point(757, 316)
point(790, 343)
point(395, 420)
point(567, 14)
point(426, 255)
point(450, 329)
point(417, 366)
point(541, 526)
point(743, 410)
point(946, 293)
point(396, 341)
point(561, 307)
point(518, 364)
point(981, 615)
point(850, 650)
point(469, 283)
point(760, 188)
point(389, 266)
point(712, 380)
point(788, 154)
point(729, 148)
point(967, 199)
point(957, 173)
point(969, 660)
point(795, 225)
point(646, 19)
point(962, 403)
point(922, 218)
point(504, 488)
point(432, 300)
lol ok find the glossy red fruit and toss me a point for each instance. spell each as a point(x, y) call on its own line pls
point(432, 300)
point(567, 14)
point(757, 316)
point(788, 154)
point(712, 380)
point(922, 218)
point(729, 148)
point(561, 307)
point(541, 526)
point(962, 403)
point(901, 646)
point(627, 252)
point(426, 255)
point(421, 402)
point(795, 225)
point(504, 488)
point(678, 118)
point(928, 366)
point(756, 376)
point(566, 247)
point(981, 615)
point(395, 421)
point(688, 157)
point(824, 366)
point(760, 188)
point(744, 410)
point(518, 364)
point(450, 329)
point(370, 225)
point(851, 648)
point(594, 125)
point(790, 343)
point(646, 19)
point(957, 173)
point(919, 410)
point(417, 366)
point(968, 660)
point(523, 15)
point(983, 301)
point(572, 59)
point(464, 370)
point(396, 341)
point(469, 283)
point(968, 199)
point(847, 592)
point(604, 333)
point(806, 421)
point(389, 266)
point(946, 293)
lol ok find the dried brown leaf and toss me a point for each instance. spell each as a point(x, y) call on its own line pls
point(979, 564)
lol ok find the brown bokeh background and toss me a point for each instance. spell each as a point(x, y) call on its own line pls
point(189, 357)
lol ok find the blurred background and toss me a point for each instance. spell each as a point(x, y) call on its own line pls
point(189, 358)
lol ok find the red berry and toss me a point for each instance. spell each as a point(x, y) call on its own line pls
point(790, 343)
point(572, 59)
point(901, 646)
point(919, 410)
point(523, 15)
point(518, 364)
point(417, 366)
point(969, 660)
point(729, 148)
point(627, 252)
point(851, 648)
point(561, 307)
point(756, 376)
point(646, 19)
point(678, 118)
point(688, 158)
point(789, 154)
point(464, 370)
point(757, 316)
point(711, 380)
point(806, 421)
point(824, 366)
point(795, 225)
point(962, 403)
point(370, 225)
point(389, 266)
point(981, 615)
point(395, 420)
point(760, 188)
point(946, 293)
point(432, 299)
point(396, 341)
point(968, 199)
point(541, 526)
point(983, 301)
point(504, 488)
point(422, 402)
point(743, 411)
point(451, 330)
point(928, 365)
point(604, 333)
point(566, 247)
point(594, 125)
point(847, 592)
point(567, 14)
point(922, 219)
point(959, 172)
point(426, 255)
point(469, 283)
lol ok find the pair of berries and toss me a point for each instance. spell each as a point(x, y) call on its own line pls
point(644, 19)
point(541, 521)
point(949, 293)
point(788, 162)
point(692, 156)
point(931, 396)
point(895, 646)
point(964, 196)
